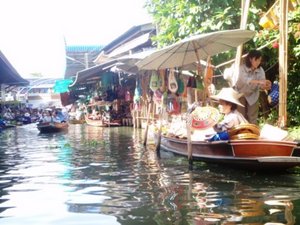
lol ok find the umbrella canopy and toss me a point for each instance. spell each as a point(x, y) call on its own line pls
point(127, 63)
point(195, 48)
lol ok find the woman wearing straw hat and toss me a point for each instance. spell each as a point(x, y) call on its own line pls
point(228, 102)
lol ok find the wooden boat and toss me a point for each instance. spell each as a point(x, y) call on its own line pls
point(95, 123)
point(75, 121)
point(247, 154)
point(102, 123)
point(52, 127)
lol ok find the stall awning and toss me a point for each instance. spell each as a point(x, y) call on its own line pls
point(8, 74)
point(93, 73)
point(125, 48)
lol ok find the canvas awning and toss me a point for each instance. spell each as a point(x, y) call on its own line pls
point(93, 73)
point(125, 48)
point(8, 74)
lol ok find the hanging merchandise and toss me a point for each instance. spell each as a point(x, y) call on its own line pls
point(172, 82)
point(137, 91)
point(128, 96)
point(162, 80)
point(165, 98)
point(208, 78)
point(106, 80)
point(199, 83)
point(173, 106)
point(154, 81)
point(62, 86)
point(180, 83)
point(157, 96)
point(185, 80)
point(192, 83)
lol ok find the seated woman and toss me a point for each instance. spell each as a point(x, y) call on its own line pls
point(228, 102)
point(46, 117)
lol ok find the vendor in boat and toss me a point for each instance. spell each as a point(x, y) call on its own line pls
point(228, 100)
point(46, 117)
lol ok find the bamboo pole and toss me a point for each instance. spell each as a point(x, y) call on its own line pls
point(157, 148)
point(189, 139)
point(150, 105)
point(283, 59)
point(244, 16)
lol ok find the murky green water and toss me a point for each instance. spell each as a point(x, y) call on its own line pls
point(92, 175)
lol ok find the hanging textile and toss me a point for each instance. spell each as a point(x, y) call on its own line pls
point(172, 82)
point(154, 81)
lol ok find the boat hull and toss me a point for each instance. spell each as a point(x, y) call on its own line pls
point(95, 123)
point(52, 127)
point(101, 123)
point(248, 154)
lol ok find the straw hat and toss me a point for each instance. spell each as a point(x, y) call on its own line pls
point(229, 95)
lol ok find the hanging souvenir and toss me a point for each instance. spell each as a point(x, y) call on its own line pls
point(162, 81)
point(173, 106)
point(137, 91)
point(165, 98)
point(172, 82)
point(180, 83)
point(127, 96)
point(199, 83)
point(157, 96)
point(154, 81)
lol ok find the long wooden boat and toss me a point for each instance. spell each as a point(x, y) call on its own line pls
point(95, 123)
point(75, 121)
point(52, 127)
point(246, 154)
point(102, 123)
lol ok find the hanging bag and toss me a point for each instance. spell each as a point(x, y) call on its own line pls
point(172, 82)
point(154, 81)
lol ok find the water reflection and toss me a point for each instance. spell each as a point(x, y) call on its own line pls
point(92, 174)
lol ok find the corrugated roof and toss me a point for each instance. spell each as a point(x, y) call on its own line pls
point(83, 48)
point(8, 74)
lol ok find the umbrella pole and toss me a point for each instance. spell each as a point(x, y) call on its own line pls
point(150, 105)
point(159, 132)
point(189, 146)
point(189, 140)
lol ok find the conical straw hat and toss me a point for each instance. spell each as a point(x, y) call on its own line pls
point(229, 95)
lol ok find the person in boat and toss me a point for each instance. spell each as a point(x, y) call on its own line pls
point(46, 117)
point(59, 115)
point(250, 80)
point(228, 100)
point(26, 118)
point(56, 118)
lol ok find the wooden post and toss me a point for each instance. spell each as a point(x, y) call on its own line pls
point(150, 105)
point(138, 119)
point(159, 132)
point(283, 65)
point(189, 139)
point(243, 25)
point(189, 145)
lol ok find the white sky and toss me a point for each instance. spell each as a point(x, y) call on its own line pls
point(33, 31)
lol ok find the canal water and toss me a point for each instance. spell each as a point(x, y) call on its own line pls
point(92, 175)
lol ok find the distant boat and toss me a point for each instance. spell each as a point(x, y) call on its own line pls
point(247, 154)
point(102, 122)
point(75, 121)
point(52, 127)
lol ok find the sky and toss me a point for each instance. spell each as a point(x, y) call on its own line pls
point(33, 32)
